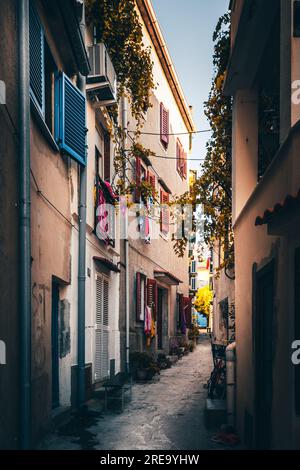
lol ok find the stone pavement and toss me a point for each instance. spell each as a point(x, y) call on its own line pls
point(164, 414)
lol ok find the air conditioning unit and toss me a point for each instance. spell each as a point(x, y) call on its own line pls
point(102, 81)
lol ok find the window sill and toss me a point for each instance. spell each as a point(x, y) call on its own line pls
point(43, 126)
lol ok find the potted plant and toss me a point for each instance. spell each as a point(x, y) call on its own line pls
point(194, 334)
point(143, 366)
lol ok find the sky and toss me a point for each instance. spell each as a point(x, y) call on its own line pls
point(188, 26)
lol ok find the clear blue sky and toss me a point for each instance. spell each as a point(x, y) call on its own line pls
point(188, 27)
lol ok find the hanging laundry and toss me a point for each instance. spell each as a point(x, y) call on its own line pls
point(148, 321)
point(102, 217)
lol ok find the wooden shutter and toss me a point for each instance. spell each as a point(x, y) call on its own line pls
point(102, 328)
point(164, 125)
point(151, 180)
point(138, 297)
point(184, 164)
point(70, 118)
point(138, 175)
point(164, 212)
point(178, 156)
point(297, 327)
point(152, 296)
point(36, 60)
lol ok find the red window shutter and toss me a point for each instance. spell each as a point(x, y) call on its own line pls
point(164, 212)
point(151, 180)
point(152, 295)
point(138, 173)
point(138, 297)
point(164, 125)
point(178, 155)
point(183, 164)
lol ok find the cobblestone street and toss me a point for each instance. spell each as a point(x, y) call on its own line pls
point(166, 413)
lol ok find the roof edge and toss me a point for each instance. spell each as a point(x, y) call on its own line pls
point(151, 22)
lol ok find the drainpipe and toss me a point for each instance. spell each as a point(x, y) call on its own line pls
point(230, 383)
point(81, 255)
point(126, 242)
point(24, 221)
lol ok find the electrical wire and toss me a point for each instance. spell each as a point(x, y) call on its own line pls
point(41, 194)
point(171, 133)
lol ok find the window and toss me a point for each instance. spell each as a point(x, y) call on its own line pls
point(181, 160)
point(164, 126)
point(193, 283)
point(58, 104)
point(36, 60)
point(193, 267)
point(98, 163)
point(105, 212)
point(164, 212)
point(41, 71)
point(140, 296)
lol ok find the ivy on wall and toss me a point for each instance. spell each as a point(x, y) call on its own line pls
point(119, 27)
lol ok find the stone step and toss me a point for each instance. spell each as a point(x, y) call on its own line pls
point(215, 413)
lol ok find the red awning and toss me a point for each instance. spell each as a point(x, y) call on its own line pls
point(290, 202)
point(107, 263)
point(167, 278)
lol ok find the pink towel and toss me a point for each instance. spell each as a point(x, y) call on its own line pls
point(148, 320)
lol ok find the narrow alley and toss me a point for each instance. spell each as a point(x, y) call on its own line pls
point(166, 413)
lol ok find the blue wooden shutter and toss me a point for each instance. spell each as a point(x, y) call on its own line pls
point(70, 118)
point(36, 60)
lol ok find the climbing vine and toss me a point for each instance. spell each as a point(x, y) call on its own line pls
point(215, 183)
point(119, 27)
point(213, 189)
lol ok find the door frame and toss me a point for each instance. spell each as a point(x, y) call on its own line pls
point(55, 343)
point(263, 339)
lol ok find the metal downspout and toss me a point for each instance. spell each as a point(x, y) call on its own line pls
point(126, 242)
point(24, 220)
point(81, 256)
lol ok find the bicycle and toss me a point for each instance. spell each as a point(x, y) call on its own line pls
point(216, 384)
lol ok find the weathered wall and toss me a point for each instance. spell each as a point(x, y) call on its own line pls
point(254, 246)
point(51, 255)
point(9, 173)
point(159, 254)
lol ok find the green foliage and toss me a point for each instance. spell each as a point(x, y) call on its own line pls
point(214, 188)
point(119, 27)
point(203, 300)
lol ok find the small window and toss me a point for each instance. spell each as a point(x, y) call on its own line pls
point(164, 212)
point(193, 283)
point(164, 126)
point(98, 163)
point(42, 68)
point(193, 267)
